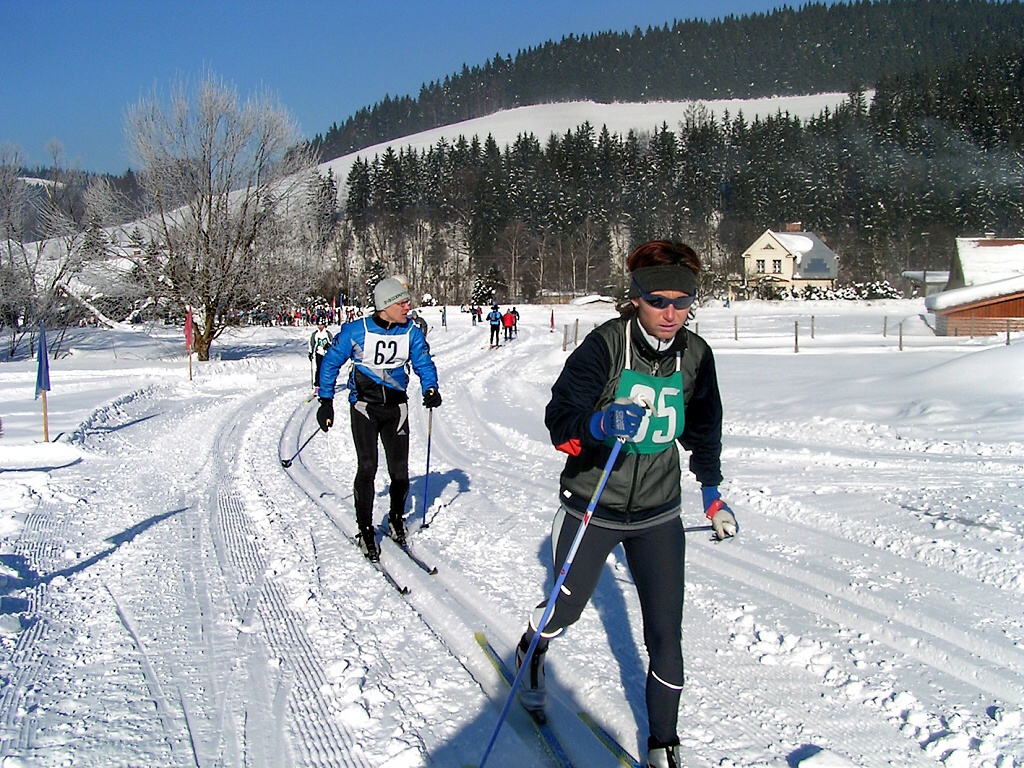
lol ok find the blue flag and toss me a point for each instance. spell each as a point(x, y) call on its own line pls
point(43, 372)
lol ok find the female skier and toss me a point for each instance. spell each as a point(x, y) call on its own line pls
point(645, 379)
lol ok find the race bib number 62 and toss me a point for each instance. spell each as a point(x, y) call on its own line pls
point(386, 352)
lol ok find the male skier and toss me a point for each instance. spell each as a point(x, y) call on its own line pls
point(381, 347)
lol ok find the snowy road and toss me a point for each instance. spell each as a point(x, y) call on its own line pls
point(177, 597)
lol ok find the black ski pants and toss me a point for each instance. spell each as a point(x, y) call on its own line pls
point(390, 425)
point(319, 364)
point(495, 335)
point(655, 557)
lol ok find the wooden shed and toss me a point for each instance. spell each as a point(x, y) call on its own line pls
point(965, 312)
point(985, 292)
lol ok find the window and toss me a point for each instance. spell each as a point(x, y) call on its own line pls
point(777, 266)
point(760, 266)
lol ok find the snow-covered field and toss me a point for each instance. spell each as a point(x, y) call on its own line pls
point(173, 596)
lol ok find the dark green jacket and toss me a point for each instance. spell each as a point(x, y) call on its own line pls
point(641, 487)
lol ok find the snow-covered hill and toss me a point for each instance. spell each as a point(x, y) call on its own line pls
point(544, 119)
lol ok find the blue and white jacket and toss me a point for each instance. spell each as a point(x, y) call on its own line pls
point(381, 353)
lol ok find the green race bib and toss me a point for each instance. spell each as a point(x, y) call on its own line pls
point(662, 425)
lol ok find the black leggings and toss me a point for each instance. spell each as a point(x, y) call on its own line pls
point(319, 364)
point(655, 557)
point(389, 424)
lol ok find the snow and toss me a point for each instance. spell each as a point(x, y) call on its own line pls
point(795, 243)
point(172, 595)
point(988, 259)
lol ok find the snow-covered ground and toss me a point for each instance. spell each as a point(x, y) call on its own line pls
point(173, 596)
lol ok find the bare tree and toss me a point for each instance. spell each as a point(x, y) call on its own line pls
point(515, 246)
point(224, 178)
point(42, 225)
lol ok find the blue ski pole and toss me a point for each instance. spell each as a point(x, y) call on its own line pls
point(426, 477)
point(549, 609)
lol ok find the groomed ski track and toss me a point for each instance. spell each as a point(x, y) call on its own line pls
point(290, 650)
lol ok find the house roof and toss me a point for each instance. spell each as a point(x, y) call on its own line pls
point(974, 293)
point(929, 276)
point(814, 259)
point(988, 259)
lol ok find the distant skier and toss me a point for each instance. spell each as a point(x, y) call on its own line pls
point(508, 321)
point(381, 348)
point(494, 318)
point(645, 352)
point(319, 341)
point(421, 321)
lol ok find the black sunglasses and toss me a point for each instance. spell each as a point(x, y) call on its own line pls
point(662, 302)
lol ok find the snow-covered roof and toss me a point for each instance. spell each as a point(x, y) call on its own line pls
point(929, 276)
point(795, 242)
point(988, 259)
point(974, 293)
point(814, 259)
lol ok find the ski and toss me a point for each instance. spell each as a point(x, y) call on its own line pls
point(610, 742)
point(430, 569)
point(402, 590)
point(407, 549)
point(547, 736)
point(379, 567)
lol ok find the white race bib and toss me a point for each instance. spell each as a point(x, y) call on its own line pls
point(385, 352)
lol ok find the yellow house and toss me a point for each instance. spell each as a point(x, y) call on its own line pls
point(789, 261)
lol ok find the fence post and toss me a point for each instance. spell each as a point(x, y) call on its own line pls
point(885, 326)
point(796, 336)
point(576, 333)
point(901, 335)
point(812, 326)
point(735, 328)
point(565, 337)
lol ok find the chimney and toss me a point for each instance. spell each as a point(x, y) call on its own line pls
point(794, 226)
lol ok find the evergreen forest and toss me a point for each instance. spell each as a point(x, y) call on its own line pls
point(816, 48)
point(887, 182)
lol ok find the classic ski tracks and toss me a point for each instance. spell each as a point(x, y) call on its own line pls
point(298, 686)
point(454, 611)
point(959, 652)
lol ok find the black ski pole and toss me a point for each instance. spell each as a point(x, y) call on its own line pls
point(288, 462)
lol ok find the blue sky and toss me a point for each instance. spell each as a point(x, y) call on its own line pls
point(72, 68)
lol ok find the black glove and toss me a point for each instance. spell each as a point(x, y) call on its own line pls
point(310, 355)
point(431, 398)
point(325, 413)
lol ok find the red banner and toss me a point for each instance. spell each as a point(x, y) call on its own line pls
point(188, 331)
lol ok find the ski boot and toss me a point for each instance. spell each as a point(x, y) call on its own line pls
point(661, 755)
point(532, 694)
point(397, 526)
point(368, 546)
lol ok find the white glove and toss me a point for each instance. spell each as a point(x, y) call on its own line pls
point(723, 521)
